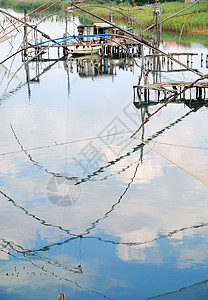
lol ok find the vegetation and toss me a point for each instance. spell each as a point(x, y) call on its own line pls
point(194, 20)
point(30, 3)
point(185, 39)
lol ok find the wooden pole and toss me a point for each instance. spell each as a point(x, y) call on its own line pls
point(38, 30)
point(61, 296)
point(25, 40)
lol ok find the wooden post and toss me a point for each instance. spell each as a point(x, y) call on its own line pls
point(157, 29)
point(66, 19)
point(25, 41)
point(200, 92)
point(160, 34)
point(141, 29)
point(171, 63)
point(134, 95)
point(154, 22)
point(158, 96)
point(187, 60)
point(145, 94)
point(61, 296)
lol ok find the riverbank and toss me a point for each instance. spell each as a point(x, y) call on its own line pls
point(193, 20)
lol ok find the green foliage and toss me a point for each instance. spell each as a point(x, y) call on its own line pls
point(30, 4)
point(192, 20)
point(185, 38)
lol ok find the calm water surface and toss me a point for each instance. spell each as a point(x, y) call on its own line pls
point(86, 210)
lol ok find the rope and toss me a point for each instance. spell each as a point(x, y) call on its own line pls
point(31, 18)
point(25, 16)
point(182, 146)
point(200, 178)
point(65, 143)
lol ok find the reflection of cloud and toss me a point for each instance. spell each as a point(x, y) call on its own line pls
point(137, 252)
point(152, 203)
point(33, 275)
point(3, 255)
point(189, 257)
point(151, 170)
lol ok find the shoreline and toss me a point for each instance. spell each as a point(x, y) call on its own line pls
point(190, 26)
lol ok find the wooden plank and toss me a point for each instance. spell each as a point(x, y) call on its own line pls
point(177, 54)
point(171, 83)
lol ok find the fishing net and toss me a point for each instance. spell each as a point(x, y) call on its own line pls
point(193, 160)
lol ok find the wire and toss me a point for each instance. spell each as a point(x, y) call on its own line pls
point(200, 178)
point(30, 18)
point(69, 142)
point(183, 146)
point(25, 16)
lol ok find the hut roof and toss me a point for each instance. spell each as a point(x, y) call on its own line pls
point(97, 24)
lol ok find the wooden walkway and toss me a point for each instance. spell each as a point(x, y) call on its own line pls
point(160, 91)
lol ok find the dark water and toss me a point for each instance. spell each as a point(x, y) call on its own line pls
point(85, 210)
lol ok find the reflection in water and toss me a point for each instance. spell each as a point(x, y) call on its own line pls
point(196, 291)
point(101, 169)
point(138, 222)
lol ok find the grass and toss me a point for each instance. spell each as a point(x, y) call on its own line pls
point(30, 3)
point(185, 39)
point(194, 20)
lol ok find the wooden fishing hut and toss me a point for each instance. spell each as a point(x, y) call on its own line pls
point(162, 91)
point(114, 43)
point(96, 29)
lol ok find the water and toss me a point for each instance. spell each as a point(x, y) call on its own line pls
point(87, 211)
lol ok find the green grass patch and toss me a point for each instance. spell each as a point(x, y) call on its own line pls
point(193, 20)
point(185, 38)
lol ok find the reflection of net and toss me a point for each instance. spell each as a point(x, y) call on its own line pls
point(192, 160)
point(63, 190)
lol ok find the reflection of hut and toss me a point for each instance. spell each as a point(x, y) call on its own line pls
point(96, 28)
point(102, 67)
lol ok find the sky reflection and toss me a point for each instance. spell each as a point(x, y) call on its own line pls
point(139, 221)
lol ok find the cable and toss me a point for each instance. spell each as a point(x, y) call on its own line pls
point(31, 18)
point(200, 178)
point(69, 142)
point(25, 16)
point(183, 146)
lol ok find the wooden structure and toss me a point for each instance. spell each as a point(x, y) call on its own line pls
point(165, 63)
point(157, 28)
point(161, 91)
point(116, 45)
point(96, 29)
point(96, 66)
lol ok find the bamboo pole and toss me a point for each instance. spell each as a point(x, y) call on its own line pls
point(38, 30)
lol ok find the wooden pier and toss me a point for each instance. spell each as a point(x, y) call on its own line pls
point(161, 91)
